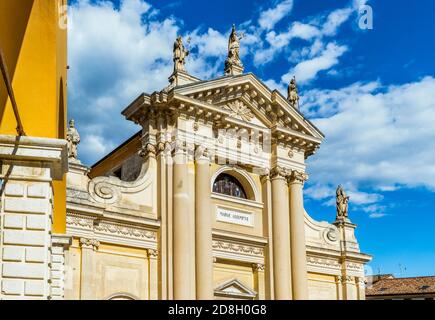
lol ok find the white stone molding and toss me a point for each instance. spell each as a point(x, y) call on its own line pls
point(321, 234)
point(329, 265)
point(107, 230)
point(238, 252)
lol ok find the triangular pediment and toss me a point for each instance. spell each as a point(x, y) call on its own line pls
point(248, 99)
point(234, 288)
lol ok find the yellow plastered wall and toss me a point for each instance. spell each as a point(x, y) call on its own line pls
point(35, 50)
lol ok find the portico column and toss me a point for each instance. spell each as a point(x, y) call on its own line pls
point(203, 226)
point(182, 248)
point(297, 236)
point(281, 239)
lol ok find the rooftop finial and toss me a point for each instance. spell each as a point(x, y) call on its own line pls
point(233, 64)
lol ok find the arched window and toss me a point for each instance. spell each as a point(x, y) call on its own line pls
point(228, 185)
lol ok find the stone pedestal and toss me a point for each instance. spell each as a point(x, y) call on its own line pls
point(28, 167)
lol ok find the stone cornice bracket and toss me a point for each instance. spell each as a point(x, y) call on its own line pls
point(89, 243)
point(258, 267)
point(297, 177)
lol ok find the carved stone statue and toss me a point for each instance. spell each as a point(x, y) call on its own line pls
point(180, 54)
point(73, 139)
point(233, 64)
point(342, 203)
point(293, 96)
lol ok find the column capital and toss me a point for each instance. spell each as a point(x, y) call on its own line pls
point(89, 243)
point(149, 150)
point(153, 253)
point(202, 153)
point(297, 177)
point(279, 172)
point(258, 267)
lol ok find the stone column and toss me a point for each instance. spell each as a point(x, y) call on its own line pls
point(182, 248)
point(281, 239)
point(28, 167)
point(297, 236)
point(203, 227)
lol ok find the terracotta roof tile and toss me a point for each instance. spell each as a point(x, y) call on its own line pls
point(400, 286)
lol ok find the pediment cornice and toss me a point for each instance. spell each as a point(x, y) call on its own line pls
point(231, 102)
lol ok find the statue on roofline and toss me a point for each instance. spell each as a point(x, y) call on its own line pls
point(73, 139)
point(233, 59)
point(180, 54)
point(292, 94)
point(342, 203)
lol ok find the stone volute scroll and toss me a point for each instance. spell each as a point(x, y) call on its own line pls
point(342, 201)
point(73, 139)
point(233, 64)
point(292, 94)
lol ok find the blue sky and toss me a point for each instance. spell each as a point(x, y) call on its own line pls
point(372, 92)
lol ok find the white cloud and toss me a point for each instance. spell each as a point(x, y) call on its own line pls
point(377, 139)
point(272, 16)
point(307, 70)
point(335, 19)
point(117, 53)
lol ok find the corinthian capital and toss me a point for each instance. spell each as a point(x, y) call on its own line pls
point(297, 177)
point(89, 243)
point(279, 172)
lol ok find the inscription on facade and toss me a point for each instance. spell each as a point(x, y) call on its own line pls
point(235, 217)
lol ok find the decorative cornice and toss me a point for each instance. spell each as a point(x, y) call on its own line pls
point(238, 248)
point(322, 262)
point(125, 231)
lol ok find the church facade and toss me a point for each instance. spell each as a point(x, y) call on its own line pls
point(204, 202)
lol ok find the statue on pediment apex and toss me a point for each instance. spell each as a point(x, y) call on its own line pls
point(292, 94)
point(233, 64)
point(180, 54)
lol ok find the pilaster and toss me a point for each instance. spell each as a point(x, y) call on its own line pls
point(28, 167)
